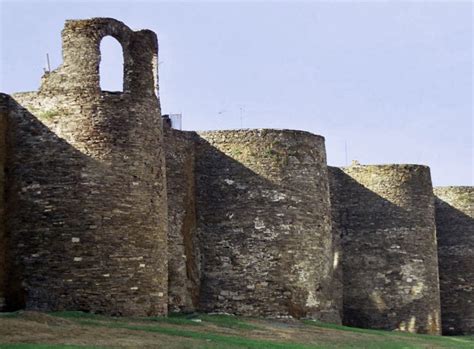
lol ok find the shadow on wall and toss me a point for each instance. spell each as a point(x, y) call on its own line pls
point(389, 264)
point(183, 247)
point(70, 241)
point(456, 272)
point(86, 211)
point(265, 240)
point(43, 175)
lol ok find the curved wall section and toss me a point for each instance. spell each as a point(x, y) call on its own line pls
point(455, 228)
point(86, 198)
point(388, 237)
point(264, 224)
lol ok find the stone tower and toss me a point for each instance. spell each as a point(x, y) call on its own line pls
point(86, 198)
point(385, 218)
point(264, 223)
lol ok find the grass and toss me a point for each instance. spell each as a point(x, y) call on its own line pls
point(193, 319)
point(44, 346)
point(226, 341)
point(48, 114)
point(448, 341)
point(228, 321)
point(202, 331)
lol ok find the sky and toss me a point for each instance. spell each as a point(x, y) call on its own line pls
point(382, 81)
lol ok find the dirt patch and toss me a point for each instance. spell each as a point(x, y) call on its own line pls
point(43, 318)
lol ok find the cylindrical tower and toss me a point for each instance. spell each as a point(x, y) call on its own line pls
point(389, 257)
point(264, 224)
point(86, 197)
point(455, 228)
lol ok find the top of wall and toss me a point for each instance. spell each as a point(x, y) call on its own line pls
point(383, 167)
point(454, 188)
point(258, 132)
point(79, 73)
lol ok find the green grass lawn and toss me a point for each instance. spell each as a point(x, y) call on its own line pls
point(200, 331)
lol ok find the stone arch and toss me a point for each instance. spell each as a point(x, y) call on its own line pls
point(111, 56)
point(79, 72)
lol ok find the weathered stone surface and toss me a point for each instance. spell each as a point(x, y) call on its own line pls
point(86, 196)
point(455, 227)
point(336, 188)
point(3, 153)
point(264, 224)
point(385, 216)
point(100, 211)
point(183, 248)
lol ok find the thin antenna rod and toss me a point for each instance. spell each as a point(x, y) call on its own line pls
point(241, 117)
point(345, 149)
point(47, 60)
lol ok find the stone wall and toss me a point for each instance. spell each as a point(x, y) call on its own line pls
point(389, 259)
point(86, 196)
point(101, 211)
point(455, 227)
point(337, 209)
point(183, 249)
point(264, 224)
point(3, 153)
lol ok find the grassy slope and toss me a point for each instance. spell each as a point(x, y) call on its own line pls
point(79, 330)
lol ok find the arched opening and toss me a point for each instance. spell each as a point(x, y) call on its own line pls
point(111, 65)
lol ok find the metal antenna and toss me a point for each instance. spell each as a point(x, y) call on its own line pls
point(345, 149)
point(47, 61)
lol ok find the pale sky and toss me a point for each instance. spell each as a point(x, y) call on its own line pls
point(392, 80)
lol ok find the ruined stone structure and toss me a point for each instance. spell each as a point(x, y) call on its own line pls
point(455, 227)
point(105, 209)
point(86, 198)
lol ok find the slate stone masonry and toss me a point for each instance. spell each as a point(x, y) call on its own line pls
point(105, 209)
point(3, 153)
point(183, 248)
point(455, 227)
point(86, 196)
point(385, 218)
point(264, 224)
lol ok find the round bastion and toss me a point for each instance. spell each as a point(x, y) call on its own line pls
point(389, 254)
point(264, 224)
point(86, 207)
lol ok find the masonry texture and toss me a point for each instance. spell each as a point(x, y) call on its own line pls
point(86, 207)
point(3, 153)
point(386, 222)
point(455, 227)
point(264, 223)
point(102, 209)
point(183, 249)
